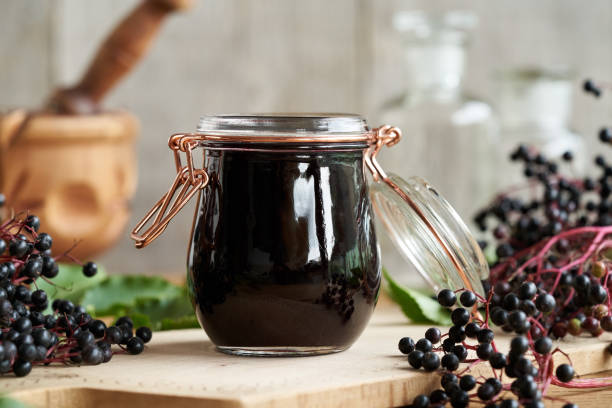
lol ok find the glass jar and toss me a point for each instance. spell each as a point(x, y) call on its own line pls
point(283, 257)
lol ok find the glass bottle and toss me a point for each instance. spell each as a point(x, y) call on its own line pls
point(451, 138)
point(534, 106)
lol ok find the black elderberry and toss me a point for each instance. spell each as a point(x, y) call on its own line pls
point(605, 135)
point(569, 405)
point(448, 378)
point(457, 334)
point(415, 358)
point(27, 352)
point(460, 316)
point(90, 269)
point(467, 382)
point(472, 329)
point(423, 345)
point(509, 403)
point(432, 334)
point(50, 321)
point(447, 345)
point(510, 302)
point(43, 242)
point(519, 345)
point(125, 321)
point(93, 355)
point(39, 297)
point(486, 392)
point(18, 248)
point(42, 337)
point(21, 368)
point(499, 316)
point(504, 250)
point(405, 345)
point(528, 307)
point(590, 87)
point(65, 307)
point(564, 372)
point(438, 397)
point(460, 399)
point(450, 362)
point(468, 298)
point(23, 325)
point(517, 319)
point(497, 360)
point(484, 351)
point(545, 303)
point(527, 291)
point(526, 386)
point(567, 156)
point(486, 336)
point(86, 339)
point(543, 345)
point(420, 401)
point(460, 351)
point(447, 298)
point(597, 294)
point(33, 222)
point(430, 361)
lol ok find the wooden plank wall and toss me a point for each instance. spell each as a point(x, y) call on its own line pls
point(276, 55)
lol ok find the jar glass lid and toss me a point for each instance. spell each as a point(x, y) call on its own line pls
point(424, 227)
point(311, 124)
point(429, 233)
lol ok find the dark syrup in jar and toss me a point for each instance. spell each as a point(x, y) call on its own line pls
point(283, 250)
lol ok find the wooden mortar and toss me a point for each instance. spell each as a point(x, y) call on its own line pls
point(77, 173)
point(73, 164)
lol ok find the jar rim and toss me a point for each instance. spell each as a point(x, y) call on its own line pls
point(285, 127)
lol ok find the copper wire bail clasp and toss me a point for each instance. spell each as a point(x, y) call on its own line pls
point(384, 135)
point(187, 182)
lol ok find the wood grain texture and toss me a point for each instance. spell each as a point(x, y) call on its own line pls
point(182, 368)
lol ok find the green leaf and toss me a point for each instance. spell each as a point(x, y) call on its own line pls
point(122, 292)
point(185, 322)
point(6, 402)
point(70, 283)
point(417, 306)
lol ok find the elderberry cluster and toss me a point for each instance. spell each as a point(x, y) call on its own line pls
point(552, 277)
point(521, 366)
point(29, 336)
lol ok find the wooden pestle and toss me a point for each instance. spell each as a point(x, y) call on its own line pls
point(126, 45)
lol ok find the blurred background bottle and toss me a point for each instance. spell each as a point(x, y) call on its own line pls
point(450, 138)
point(534, 107)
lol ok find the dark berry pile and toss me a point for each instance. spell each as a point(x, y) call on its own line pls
point(520, 377)
point(67, 335)
point(551, 279)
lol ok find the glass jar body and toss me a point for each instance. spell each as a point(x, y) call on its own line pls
point(283, 256)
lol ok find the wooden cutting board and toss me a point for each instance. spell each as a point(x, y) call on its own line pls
point(183, 369)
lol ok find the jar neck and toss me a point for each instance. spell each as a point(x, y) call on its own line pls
point(434, 71)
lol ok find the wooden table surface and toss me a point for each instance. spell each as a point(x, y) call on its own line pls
point(183, 369)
